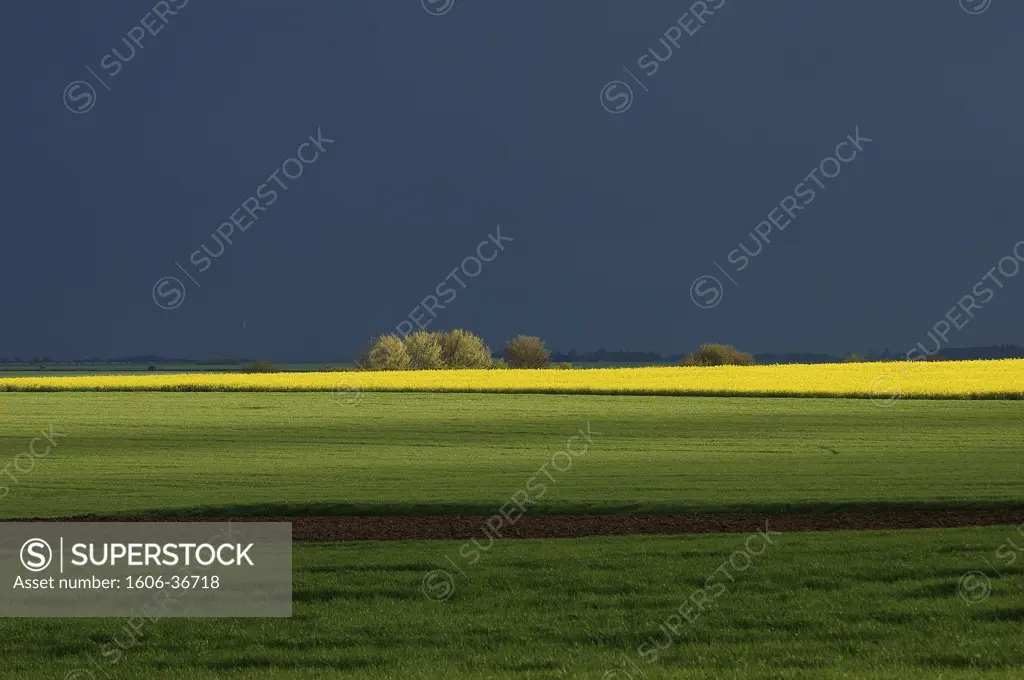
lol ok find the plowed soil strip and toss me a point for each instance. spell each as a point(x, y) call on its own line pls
point(439, 527)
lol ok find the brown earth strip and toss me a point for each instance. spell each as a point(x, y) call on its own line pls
point(396, 528)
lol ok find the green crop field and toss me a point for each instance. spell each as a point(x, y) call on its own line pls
point(853, 604)
point(822, 606)
point(247, 453)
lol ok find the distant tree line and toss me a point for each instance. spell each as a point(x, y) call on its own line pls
point(460, 348)
point(467, 350)
point(619, 356)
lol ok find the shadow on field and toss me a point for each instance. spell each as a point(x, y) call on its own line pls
point(324, 528)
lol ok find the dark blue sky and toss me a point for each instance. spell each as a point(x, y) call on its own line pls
point(491, 114)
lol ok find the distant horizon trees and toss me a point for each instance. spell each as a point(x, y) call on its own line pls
point(572, 356)
point(718, 355)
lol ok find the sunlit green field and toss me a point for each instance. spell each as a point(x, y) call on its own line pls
point(391, 453)
point(816, 606)
point(901, 604)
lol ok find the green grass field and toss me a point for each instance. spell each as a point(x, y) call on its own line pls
point(812, 605)
point(822, 606)
point(434, 453)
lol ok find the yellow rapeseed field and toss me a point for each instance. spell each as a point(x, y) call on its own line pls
point(1001, 379)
